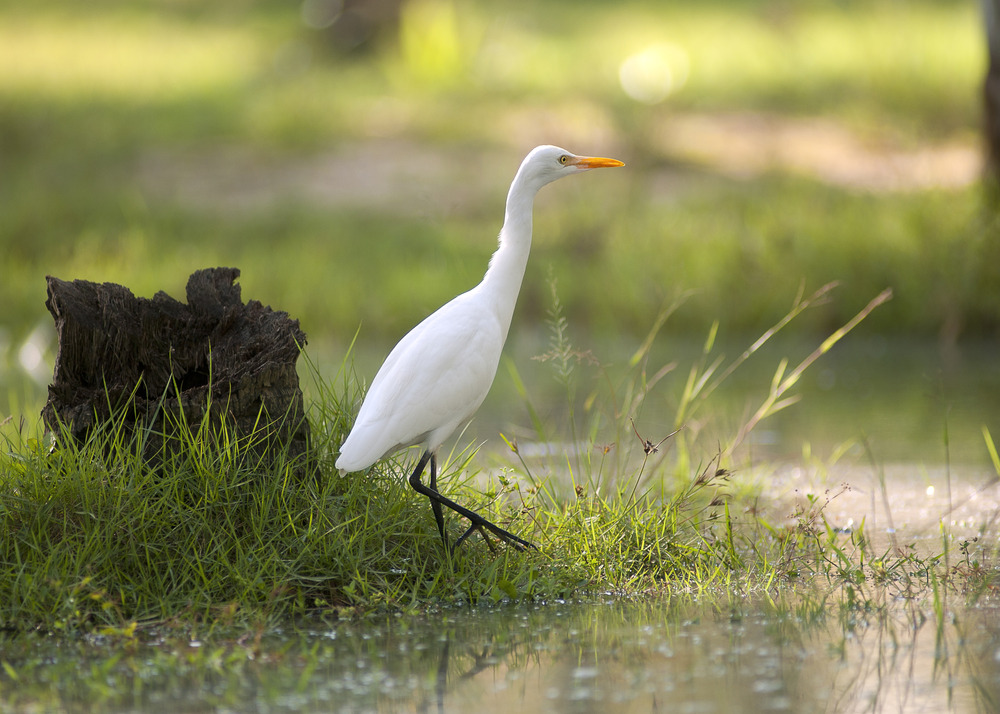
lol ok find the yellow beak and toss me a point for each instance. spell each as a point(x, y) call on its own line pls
point(595, 162)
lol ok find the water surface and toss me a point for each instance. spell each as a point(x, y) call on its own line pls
point(820, 654)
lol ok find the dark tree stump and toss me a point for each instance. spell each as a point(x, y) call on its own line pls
point(155, 362)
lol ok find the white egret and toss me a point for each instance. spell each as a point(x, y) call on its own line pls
point(434, 380)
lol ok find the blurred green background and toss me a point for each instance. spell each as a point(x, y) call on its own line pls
point(352, 160)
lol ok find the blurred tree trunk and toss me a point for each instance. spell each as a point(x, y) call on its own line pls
point(991, 91)
point(987, 256)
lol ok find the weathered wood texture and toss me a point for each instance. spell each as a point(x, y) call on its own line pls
point(153, 361)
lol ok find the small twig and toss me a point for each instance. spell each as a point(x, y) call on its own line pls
point(648, 446)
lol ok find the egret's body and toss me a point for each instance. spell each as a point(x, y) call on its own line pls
point(438, 375)
point(456, 349)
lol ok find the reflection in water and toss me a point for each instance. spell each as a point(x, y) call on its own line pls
point(711, 658)
point(709, 655)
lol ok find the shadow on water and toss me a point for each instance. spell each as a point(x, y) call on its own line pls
point(823, 654)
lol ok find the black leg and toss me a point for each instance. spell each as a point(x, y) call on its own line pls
point(435, 506)
point(478, 522)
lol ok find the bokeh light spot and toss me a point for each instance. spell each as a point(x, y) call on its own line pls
point(653, 74)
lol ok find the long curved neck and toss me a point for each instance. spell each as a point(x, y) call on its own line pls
point(503, 278)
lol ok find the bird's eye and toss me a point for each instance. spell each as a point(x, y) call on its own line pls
point(564, 159)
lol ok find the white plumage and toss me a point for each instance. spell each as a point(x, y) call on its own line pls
point(438, 375)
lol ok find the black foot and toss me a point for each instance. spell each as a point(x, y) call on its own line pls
point(506, 536)
point(478, 522)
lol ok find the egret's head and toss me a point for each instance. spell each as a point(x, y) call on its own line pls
point(547, 163)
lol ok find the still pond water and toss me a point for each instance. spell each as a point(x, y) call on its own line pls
point(682, 655)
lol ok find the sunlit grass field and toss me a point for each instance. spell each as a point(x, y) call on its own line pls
point(90, 96)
